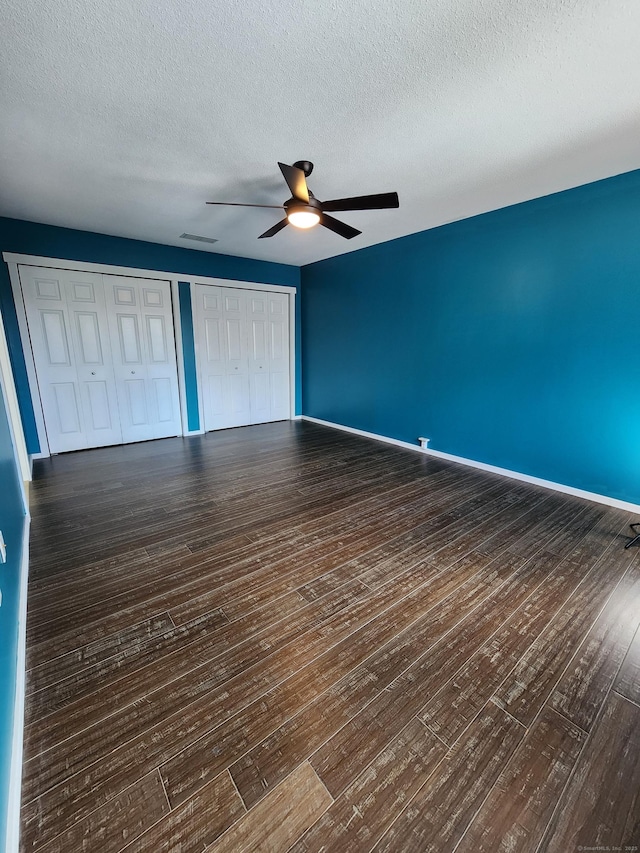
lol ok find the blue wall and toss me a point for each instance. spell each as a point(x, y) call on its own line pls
point(510, 338)
point(12, 519)
point(189, 354)
point(49, 241)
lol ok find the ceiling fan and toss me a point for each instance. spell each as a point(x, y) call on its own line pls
point(304, 210)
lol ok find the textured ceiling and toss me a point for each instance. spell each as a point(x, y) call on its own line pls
point(124, 118)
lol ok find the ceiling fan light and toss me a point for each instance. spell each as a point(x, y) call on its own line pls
point(303, 217)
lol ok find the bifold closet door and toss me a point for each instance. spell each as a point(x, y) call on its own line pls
point(104, 354)
point(222, 356)
point(243, 355)
point(70, 341)
point(144, 357)
point(268, 328)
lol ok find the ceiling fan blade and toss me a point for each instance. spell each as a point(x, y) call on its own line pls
point(380, 201)
point(275, 228)
point(296, 182)
point(338, 227)
point(239, 204)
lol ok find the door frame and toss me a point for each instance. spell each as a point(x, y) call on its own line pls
point(13, 260)
point(10, 399)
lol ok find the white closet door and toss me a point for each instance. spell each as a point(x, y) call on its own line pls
point(222, 356)
point(259, 379)
point(211, 360)
point(268, 330)
point(242, 339)
point(70, 341)
point(278, 343)
point(236, 361)
point(144, 356)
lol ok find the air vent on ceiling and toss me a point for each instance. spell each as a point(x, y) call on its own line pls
point(198, 238)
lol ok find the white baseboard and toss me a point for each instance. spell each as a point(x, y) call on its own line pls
point(373, 435)
point(483, 466)
point(15, 780)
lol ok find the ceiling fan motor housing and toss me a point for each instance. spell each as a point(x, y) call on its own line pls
point(312, 206)
point(305, 165)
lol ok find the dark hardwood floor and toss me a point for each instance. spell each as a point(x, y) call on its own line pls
point(289, 638)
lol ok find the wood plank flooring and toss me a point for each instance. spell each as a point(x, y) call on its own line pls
point(287, 638)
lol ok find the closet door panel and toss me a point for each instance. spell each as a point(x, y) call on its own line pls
point(243, 355)
point(71, 348)
point(99, 408)
point(278, 339)
point(144, 357)
point(163, 399)
point(259, 370)
point(211, 341)
point(67, 411)
point(87, 308)
point(212, 364)
point(222, 356)
point(236, 363)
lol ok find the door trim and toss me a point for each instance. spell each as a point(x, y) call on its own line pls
point(134, 272)
point(10, 398)
point(13, 259)
point(27, 352)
